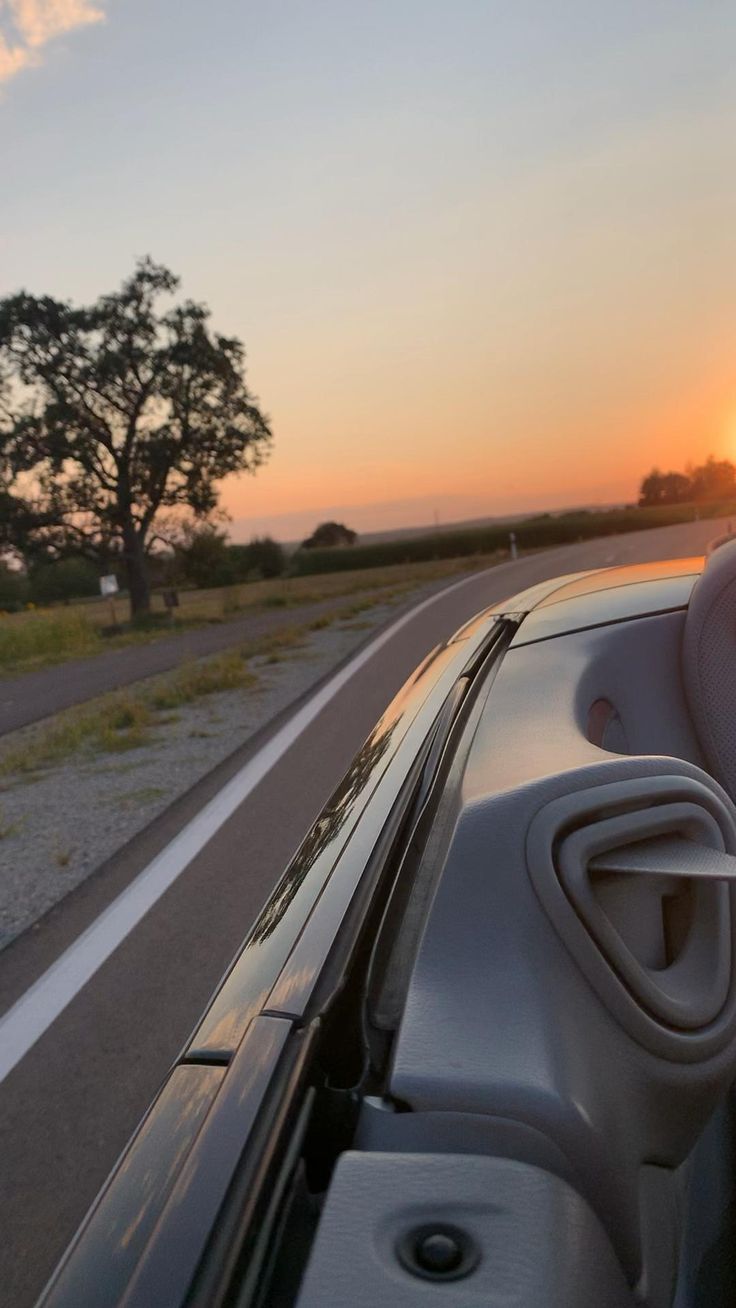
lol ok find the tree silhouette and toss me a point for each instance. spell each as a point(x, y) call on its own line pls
point(113, 413)
point(329, 535)
point(713, 480)
point(665, 488)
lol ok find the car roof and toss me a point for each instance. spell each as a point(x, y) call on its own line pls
point(602, 596)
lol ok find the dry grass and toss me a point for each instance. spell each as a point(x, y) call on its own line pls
point(126, 720)
point(29, 640)
point(8, 829)
point(110, 724)
point(136, 798)
point(195, 680)
point(55, 635)
point(122, 721)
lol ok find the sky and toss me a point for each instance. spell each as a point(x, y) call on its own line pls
point(482, 253)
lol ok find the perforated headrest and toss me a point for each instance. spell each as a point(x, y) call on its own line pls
point(709, 663)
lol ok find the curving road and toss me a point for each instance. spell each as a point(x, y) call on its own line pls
point(69, 1102)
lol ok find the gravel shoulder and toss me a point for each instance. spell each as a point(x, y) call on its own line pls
point(61, 822)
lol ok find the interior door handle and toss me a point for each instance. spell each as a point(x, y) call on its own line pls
point(669, 856)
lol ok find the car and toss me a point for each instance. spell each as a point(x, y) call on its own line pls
point(479, 1046)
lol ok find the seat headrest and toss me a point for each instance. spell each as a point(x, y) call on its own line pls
point(709, 663)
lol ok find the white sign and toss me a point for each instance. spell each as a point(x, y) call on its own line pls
point(108, 585)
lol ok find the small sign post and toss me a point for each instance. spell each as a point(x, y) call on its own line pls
point(171, 602)
point(109, 587)
point(512, 545)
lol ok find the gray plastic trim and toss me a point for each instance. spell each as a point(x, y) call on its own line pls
point(666, 856)
point(563, 839)
point(691, 992)
point(539, 1243)
point(708, 662)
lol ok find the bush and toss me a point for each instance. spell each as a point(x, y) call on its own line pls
point(329, 535)
point(262, 555)
point(63, 580)
point(269, 556)
point(205, 558)
point(14, 590)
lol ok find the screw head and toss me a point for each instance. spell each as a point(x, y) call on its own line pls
point(438, 1251)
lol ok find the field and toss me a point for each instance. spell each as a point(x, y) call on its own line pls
point(124, 720)
point(531, 533)
point(40, 637)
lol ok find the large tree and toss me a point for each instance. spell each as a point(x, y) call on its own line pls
point(665, 488)
point(714, 480)
point(330, 535)
point(115, 414)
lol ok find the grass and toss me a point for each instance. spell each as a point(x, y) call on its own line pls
point(126, 720)
point(385, 570)
point(123, 721)
point(136, 798)
point(111, 724)
point(195, 680)
point(28, 640)
point(49, 636)
point(537, 532)
point(290, 639)
point(8, 829)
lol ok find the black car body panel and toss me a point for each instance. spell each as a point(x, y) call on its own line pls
point(259, 987)
point(180, 1218)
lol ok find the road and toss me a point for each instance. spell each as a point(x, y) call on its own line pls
point(71, 1102)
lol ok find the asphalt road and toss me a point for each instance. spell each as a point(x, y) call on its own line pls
point(69, 1106)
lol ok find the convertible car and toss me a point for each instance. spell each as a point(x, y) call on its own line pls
point(479, 1046)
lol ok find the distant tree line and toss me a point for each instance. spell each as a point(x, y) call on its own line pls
point(203, 557)
point(713, 480)
point(196, 554)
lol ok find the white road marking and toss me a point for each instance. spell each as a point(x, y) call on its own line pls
point(43, 1002)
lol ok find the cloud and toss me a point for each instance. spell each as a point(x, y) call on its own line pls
point(13, 58)
point(28, 25)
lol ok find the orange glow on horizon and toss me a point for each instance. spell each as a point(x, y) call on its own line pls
point(564, 458)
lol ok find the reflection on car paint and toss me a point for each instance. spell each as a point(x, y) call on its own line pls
point(124, 1217)
point(599, 608)
point(629, 575)
point(183, 1154)
point(168, 1265)
point(247, 986)
point(326, 829)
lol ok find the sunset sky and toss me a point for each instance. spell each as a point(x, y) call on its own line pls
point(482, 253)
